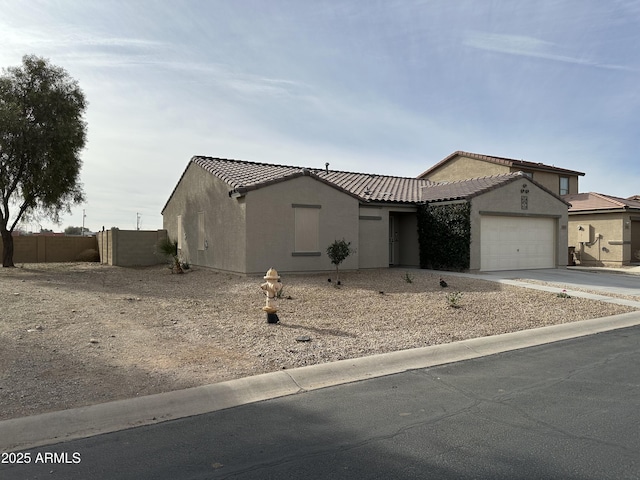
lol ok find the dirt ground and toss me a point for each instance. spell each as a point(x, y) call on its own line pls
point(76, 334)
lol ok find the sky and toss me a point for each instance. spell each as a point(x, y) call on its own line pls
point(378, 86)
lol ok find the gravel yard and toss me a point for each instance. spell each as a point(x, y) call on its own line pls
point(82, 333)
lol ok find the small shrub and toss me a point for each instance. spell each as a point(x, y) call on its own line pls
point(169, 249)
point(280, 294)
point(88, 255)
point(337, 252)
point(453, 299)
point(408, 278)
point(563, 294)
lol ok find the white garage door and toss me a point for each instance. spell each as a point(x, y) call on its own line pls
point(516, 243)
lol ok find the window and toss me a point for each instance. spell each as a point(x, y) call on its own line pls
point(528, 174)
point(564, 185)
point(307, 229)
point(201, 231)
point(180, 233)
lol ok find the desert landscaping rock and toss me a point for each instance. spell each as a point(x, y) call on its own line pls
point(180, 331)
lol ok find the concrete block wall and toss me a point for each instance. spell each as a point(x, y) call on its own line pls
point(129, 248)
point(43, 249)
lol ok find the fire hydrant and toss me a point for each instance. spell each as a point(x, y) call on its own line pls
point(271, 288)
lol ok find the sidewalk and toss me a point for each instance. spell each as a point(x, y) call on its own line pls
point(629, 270)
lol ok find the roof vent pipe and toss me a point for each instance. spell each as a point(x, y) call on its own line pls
point(326, 166)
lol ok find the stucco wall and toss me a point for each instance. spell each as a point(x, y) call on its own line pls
point(373, 237)
point(270, 217)
point(635, 239)
point(551, 181)
point(611, 242)
point(462, 168)
point(224, 221)
point(507, 199)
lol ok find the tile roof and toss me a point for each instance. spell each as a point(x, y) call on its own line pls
point(509, 162)
point(582, 202)
point(472, 187)
point(243, 176)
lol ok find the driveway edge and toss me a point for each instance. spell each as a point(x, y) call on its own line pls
point(55, 427)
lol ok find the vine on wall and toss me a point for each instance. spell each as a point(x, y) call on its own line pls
point(444, 233)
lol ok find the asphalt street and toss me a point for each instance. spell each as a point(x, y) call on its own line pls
point(563, 410)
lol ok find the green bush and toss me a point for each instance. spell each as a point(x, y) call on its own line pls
point(169, 249)
point(444, 235)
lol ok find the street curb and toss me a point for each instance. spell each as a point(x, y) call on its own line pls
point(62, 426)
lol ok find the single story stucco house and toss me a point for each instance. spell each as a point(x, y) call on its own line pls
point(246, 217)
point(604, 230)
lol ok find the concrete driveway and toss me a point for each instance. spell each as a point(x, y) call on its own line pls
point(604, 281)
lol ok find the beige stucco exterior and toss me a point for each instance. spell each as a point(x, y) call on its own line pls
point(462, 168)
point(270, 225)
point(388, 236)
point(255, 231)
point(507, 200)
point(607, 239)
point(224, 221)
point(551, 181)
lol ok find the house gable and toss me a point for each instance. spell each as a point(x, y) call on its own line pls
point(272, 224)
point(211, 225)
point(473, 187)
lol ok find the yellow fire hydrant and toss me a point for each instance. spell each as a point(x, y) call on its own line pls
point(271, 288)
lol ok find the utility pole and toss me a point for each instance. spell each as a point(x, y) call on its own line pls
point(83, 217)
point(137, 221)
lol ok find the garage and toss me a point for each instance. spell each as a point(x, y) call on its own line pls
point(517, 242)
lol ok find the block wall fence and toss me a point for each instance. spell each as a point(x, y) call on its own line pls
point(49, 249)
point(129, 248)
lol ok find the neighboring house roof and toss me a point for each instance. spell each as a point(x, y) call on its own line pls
point(467, 189)
point(591, 201)
point(509, 162)
point(243, 176)
point(634, 197)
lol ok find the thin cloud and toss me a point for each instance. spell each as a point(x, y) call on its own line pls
point(531, 47)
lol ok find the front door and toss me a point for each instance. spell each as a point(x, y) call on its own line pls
point(394, 240)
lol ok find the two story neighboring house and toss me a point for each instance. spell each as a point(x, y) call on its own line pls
point(464, 165)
